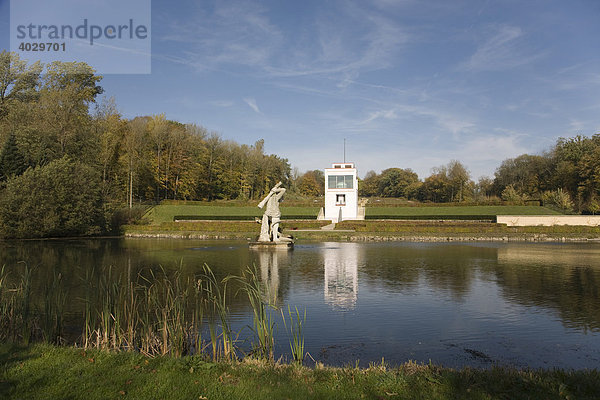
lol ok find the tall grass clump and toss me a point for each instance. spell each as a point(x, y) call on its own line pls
point(154, 312)
point(52, 318)
point(17, 324)
point(296, 333)
point(150, 314)
point(263, 321)
point(222, 344)
point(167, 299)
point(9, 310)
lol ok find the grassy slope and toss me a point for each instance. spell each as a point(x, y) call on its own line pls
point(222, 226)
point(165, 213)
point(461, 210)
point(161, 222)
point(47, 372)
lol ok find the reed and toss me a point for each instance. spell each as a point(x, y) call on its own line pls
point(263, 322)
point(155, 312)
point(106, 331)
point(6, 306)
point(17, 321)
point(216, 292)
point(27, 322)
point(131, 319)
point(295, 330)
point(55, 298)
point(195, 336)
point(169, 297)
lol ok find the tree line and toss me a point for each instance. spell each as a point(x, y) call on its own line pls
point(567, 176)
point(69, 161)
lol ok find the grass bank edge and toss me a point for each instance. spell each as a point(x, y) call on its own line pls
point(43, 371)
point(361, 229)
point(167, 212)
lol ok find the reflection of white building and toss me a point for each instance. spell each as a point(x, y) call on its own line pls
point(341, 192)
point(269, 271)
point(341, 274)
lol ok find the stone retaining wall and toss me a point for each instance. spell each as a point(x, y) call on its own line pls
point(548, 220)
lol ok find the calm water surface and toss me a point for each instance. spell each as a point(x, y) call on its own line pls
point(457, 304)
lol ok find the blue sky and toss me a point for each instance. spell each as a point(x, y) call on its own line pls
point(408, 83)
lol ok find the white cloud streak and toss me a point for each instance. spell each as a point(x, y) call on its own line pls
point(252, 104)
point(241, 34)
point(505, 49)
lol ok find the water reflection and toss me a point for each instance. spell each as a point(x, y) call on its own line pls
point(520, 304)
point(563, 277)
point(340, 261)
point(269, 262)
point(550, 254)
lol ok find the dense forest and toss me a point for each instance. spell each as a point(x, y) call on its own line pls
point(70, 163)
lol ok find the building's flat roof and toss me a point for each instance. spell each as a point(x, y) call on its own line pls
point(342, 163)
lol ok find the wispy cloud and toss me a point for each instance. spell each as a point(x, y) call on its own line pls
point(221, 103)
point(252, 104)
point(503, 49)
point(340, 43)
point(492, 148)
point(386, 114)
point(359, 40)
point(578, 81)
point(231, 33)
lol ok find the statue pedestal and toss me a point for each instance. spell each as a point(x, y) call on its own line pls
point(271, 245)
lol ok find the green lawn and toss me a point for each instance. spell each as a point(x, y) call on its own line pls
point(459, 210)
point(48, 372)
point(165, 213)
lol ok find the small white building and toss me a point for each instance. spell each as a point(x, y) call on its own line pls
point(341, 192)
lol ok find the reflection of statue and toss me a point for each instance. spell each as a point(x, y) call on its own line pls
point(269, 272)
point(269, 230)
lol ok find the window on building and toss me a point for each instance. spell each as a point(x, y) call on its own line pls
point(348, 165)
point(340, 182)
point(340, 199)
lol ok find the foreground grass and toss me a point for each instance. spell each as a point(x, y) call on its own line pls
point(49, 372)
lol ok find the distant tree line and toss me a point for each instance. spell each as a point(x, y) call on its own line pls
point(567, 177)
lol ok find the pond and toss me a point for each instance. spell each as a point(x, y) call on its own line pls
point(456, 304)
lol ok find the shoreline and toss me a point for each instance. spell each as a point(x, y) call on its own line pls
point(370, 237)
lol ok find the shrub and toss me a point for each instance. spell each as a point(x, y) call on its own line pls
point(593, 207)
point(558, 198)
point(61, 198)
point(511, 195)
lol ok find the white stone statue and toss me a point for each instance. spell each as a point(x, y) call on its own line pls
point(269, 229)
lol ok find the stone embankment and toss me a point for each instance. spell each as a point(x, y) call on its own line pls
point(366, 237)
point(186, 235)
point(442, 238)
